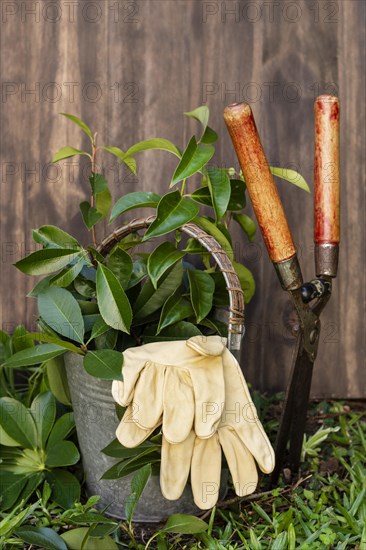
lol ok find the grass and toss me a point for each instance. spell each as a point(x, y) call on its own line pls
point(321, 507)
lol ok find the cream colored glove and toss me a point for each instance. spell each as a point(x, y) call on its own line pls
point(178, 384)
point(240, 435)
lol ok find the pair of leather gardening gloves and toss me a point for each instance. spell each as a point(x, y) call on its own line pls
point(195, 389)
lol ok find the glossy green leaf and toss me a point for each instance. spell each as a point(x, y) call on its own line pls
point(107, 340)
point(62, 453)
point(138, 484)
point(34, 356)
point(78, 539)
point(43, 410)
point(247, 224)
point(100, 327)
point(90, 214)
point(292, 176)
point(129, 465)
point(42, 285)
point(202, 114)
point(57, 380)
point(219, 186)
point(68, 275)
point(179, 331)
point(103, 202)
point(98, 183)
point(85, 287)
point(210, 136)
point(121, 264)
point(18, 422)
point(61, 311)
point(90, 320)
point(161, 259)
point(238, 199)
point(46, 261)
point(61, 429)
point(67, 152)
point(176, 308)
point(54, 237)
point(80, 123)
point(156, 143)
point(113, 303)
point(247, 281)
point(137, 199)
point(88, 308)
point(11, 487)
point(202, 195)
point(21, 339)
point(139, 272)
point(173, 211)
point(213, 230)
point(217, 326)
point(6, 440)
point(150, 300)
point(202, 288)
point(104, 363)
point(5, 346)
point(65, 488)
point(193, 159)
point(184, 524)
point(41, 536)
point(43, 337)
point(124, 157)
point(116, 450)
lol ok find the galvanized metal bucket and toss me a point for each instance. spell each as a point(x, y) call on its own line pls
point(94, 407)
point(96, 423)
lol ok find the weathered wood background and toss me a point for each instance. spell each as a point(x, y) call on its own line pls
point(130, 69)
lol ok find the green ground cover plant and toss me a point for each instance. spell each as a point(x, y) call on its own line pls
point(321, 507)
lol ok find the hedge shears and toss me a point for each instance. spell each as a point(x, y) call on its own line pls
point(309, 299)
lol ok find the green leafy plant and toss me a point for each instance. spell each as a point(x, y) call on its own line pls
point(92, 305)
point(34, 447)
point(99, 306)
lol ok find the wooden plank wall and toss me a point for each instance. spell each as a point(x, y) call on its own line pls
point(130, 69)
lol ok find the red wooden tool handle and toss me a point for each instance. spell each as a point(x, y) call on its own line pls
point(326, 170)
point(258, 177)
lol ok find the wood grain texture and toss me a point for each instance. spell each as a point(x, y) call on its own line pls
point(326, 170)
point(130, 72)
point(260, 183)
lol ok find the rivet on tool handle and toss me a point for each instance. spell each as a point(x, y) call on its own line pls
point(259, 180)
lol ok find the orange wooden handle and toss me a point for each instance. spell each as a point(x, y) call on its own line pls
point(326, 170)
point(261, 186)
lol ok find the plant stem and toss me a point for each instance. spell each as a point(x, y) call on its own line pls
point(92, 201)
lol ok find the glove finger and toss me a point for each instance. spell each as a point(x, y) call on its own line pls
point(252, 433)
point(206, 472)
point(209, 394)
point(175, 466)
point(134, 360)
point(178, 405)
point(148, 396)
point(207, 345)
point(129, 433)
point(240, 461)
point(241, 414)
